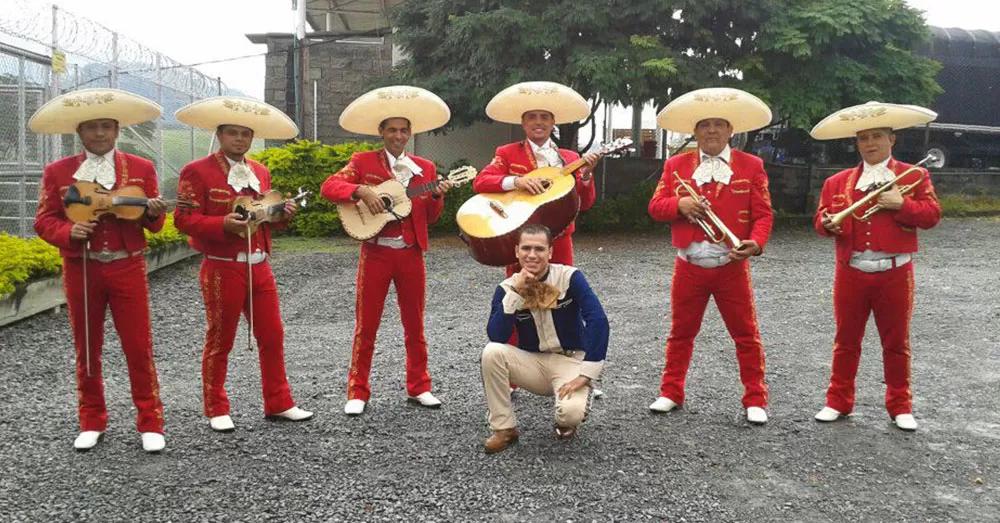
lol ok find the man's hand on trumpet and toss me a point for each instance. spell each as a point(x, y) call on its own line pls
point(891, 199)
point(691, 208)
point(746, 249)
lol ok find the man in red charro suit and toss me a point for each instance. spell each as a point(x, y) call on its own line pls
point(537, 107)
point(396, 254)
point(115, 265)
point(874, 272)
point(213, 182)
point(735, 185)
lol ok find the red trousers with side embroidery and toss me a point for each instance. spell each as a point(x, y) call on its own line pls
point(379, 266)
point(690, 290)
point(856, 296)
point(120, 285)
point(224, 288)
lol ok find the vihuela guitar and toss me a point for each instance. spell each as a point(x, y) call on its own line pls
point(489, 221)
point(359, 223)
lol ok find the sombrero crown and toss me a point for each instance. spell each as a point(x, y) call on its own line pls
point(425, 110)
point(565, 104)
point(266, 120)
point(848, 122)
point(744, 111)
point(64, 113)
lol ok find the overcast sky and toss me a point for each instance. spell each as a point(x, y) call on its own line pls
point(193, 31)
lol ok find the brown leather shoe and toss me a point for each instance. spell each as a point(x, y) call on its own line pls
point(500, 440)
point(565, 433)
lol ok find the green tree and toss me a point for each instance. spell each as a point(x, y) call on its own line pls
point(813, 57)
point(805, 57)
point(618, 51)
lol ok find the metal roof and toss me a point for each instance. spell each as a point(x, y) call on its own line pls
point(350, 17)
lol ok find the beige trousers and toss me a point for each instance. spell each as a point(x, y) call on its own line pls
point(538, 373)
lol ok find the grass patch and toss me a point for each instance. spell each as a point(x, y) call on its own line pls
point(966, 205)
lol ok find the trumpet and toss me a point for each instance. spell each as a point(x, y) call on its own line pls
point(715, 230)
point(836, 219)
point(903, 190)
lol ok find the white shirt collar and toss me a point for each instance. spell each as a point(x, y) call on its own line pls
point(726, 154)
point(234, 162)
point(241, 176)
point(109, 156)
point(883, 163)
point(549, 144)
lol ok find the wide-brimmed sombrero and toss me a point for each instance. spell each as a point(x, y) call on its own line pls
point(62, 114)
point(425, 110)
point(267, 121)
point(565, 104)
point(848, 122)
point(744, 111)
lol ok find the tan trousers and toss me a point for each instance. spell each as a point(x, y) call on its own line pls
point(538, 373)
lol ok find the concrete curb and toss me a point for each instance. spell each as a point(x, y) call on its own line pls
point(47, 293)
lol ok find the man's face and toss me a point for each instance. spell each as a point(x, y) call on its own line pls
point(234, 140)
point(538, 125)
point(712, 135)
point(534, 253)
point(875, 145)
point(395, 134)
point(98, 136)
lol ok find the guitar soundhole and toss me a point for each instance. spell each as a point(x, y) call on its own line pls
point(387, 201)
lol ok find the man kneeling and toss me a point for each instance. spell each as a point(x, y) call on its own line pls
point(562, 336)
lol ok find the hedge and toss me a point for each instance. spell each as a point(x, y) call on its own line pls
point(306, 164)
point(25, 259)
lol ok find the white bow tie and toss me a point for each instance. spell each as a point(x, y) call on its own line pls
point(97, 169)
point(547, 157)
point(712, 168)
point(874, 175)
point(404, 169)
point(241, 177)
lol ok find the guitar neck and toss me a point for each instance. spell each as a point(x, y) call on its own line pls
point(417, 190)
point(573, 166)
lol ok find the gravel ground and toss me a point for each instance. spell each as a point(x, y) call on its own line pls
point(399, 462)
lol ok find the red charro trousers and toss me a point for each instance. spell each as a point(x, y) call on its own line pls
point(377, 267)
point(122, 286)
point(689, 293)
point(224, 288)
point(856, 295)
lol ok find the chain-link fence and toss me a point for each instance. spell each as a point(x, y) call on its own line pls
point(46, 51)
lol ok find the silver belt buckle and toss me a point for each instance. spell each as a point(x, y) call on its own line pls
point(106, 256)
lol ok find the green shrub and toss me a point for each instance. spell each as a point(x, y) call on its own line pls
point(24, 259)
point(168, 234)
point(625, 212)
point(966, 205)
point(307, 164)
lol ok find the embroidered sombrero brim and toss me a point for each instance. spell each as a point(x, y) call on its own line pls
point(565, 104)
point(848, 122)
point(267, 121)
point(62, 114)
point(744, 111)
point(425, 110)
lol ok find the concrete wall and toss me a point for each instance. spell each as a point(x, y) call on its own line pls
point(475, 144)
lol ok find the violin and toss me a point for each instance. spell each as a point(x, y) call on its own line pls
point(264, 208)
point(88, 201)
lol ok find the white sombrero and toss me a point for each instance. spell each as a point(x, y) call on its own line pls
point(563, 102)
point(62, 114)
point(425, 110)
point(848, 122)
point(267, 121)
point(744, 111)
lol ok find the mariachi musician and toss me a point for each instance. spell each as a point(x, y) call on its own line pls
point(873, 211)
point(236, 277)
point(719, 209)
point(103, 262)
point(538, 107)
point(396, 254)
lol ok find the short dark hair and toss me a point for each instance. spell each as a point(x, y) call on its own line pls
point(218, 130)
point(381, 125)
point(535, 228)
